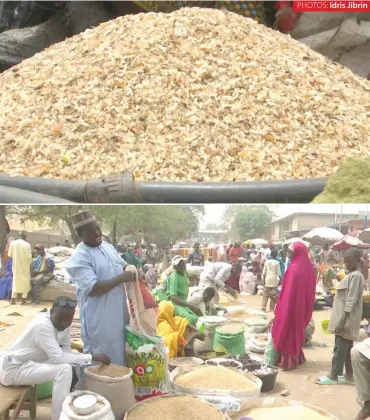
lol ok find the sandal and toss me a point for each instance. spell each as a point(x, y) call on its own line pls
point(324, 380)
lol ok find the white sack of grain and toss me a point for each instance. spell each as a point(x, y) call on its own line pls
point(196, 94)
point(313, 23)
point(194, 270)
point(256, 325)
point(114, 383)
point(337, 36)
point(257, 345)
point(102, 411)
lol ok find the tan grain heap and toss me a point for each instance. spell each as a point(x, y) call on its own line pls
point(214, 377)
point(179, 408)
point(113, 371)
point(197, 94)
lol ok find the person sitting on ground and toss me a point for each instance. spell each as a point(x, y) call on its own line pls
point(160, 292)
point(6, 282)
point(248, 281)
point(346, 319)
point(43, 353)
point(196, 258)
point(177, 331)
point(202, 299)
point(42, 271)
point(271, 277)
point(178, 291)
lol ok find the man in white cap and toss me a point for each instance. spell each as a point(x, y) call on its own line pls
point(20, 252)
point(99, 274)
point(178, 291)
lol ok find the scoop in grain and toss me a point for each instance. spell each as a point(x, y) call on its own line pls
point(171, 96)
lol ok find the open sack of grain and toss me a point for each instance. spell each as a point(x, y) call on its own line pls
point(197, 94)
point(112, 382)
point(179, 407)
point(215, 383)
point(279, 409)
point(101, 410)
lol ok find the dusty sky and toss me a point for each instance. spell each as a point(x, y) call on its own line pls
point(214, 212)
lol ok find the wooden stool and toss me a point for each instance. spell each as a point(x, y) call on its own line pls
point(14, 398)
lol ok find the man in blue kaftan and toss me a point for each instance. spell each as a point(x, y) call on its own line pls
point(97, 270)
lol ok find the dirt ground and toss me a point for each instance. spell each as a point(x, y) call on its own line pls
point(340, 400)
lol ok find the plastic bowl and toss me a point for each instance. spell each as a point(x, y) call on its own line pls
point(184, 362)
point(85, 404)
point(224, 362)
point(325, 326)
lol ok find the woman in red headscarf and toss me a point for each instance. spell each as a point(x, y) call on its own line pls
point(294, 309)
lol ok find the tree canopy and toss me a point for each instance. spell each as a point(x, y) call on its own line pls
point(249, 221)
point(156, 224)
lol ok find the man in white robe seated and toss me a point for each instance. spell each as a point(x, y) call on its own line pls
point(43, 353)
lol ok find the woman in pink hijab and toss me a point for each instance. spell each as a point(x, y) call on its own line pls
point(294, 309)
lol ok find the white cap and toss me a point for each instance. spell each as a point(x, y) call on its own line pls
point(177, 259)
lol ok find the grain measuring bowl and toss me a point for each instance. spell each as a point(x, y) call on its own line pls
point(124, 189)
point(185, 362)
point(209, 354)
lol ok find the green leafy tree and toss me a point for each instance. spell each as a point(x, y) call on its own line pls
point(52, 214)
point(158, 224)
point(249, 221)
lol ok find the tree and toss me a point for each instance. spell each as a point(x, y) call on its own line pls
point(156, 224)
point(52, 214)
point(251, 221)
